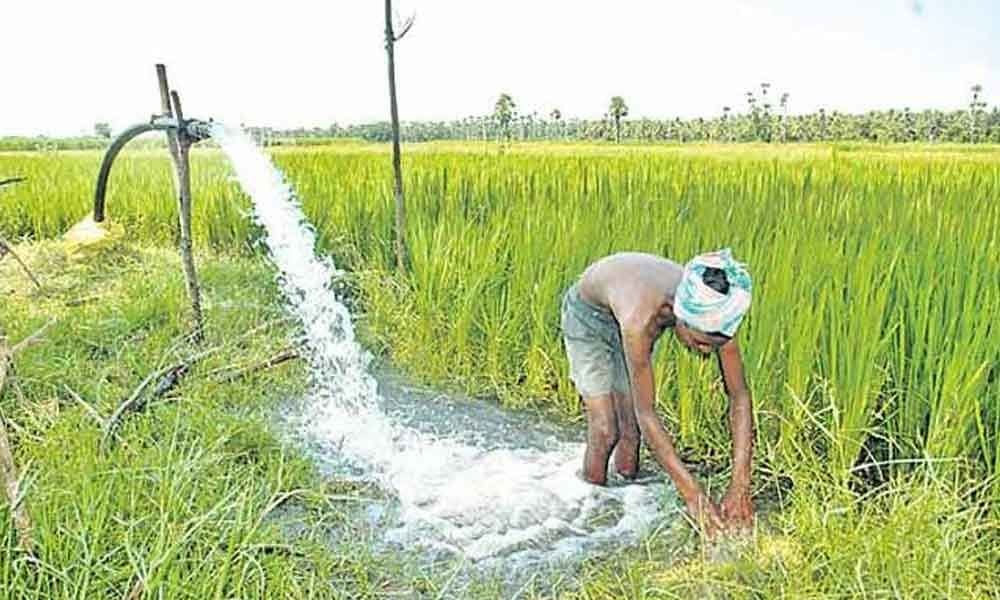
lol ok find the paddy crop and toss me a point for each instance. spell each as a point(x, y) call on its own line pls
point(875, 276)
point(870, 347)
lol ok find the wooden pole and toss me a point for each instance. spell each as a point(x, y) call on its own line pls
point(397, 171)
point(184, 195)
point(180, 147)
point(161, 78)
point(8, 469)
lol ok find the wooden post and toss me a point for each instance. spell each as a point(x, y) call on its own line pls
point(8, 469)
point(184, 195)
point(180, 147)
point(391, 37)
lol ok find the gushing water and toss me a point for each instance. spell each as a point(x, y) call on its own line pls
point(472, 481)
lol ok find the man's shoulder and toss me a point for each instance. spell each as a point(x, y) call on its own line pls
point(630, 259)
point(636, 267)
point(630, 281)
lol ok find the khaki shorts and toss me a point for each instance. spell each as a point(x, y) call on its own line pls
point(593, 343)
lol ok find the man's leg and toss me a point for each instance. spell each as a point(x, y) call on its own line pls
point(602, 435)
point(629, 438)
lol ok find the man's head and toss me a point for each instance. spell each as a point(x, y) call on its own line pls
point(700, 342)
point(711, 301)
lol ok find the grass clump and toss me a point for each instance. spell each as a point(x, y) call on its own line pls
point(915, 538)
point(197, 498)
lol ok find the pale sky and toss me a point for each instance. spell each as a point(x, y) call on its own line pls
point(65, 65)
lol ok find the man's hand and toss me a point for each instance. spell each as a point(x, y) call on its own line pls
point(737, 509)
point(705, 514)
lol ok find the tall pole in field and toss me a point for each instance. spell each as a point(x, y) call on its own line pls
point(397, 170)
point(10, 481)
point(180, 147)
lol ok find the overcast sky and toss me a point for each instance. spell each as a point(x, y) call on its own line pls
point(65, 65)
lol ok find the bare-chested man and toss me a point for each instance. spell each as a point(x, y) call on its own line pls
point(611, 319)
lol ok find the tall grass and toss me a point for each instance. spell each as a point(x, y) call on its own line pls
point(871, 341)
point(198, 498)
point(871, 337)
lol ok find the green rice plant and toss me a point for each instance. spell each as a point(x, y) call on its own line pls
point(870, 341)
point(857, 334)
point(872, 271)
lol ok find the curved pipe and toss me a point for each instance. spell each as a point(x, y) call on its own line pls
point(109, 159)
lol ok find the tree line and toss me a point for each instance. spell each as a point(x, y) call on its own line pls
point(765, 118)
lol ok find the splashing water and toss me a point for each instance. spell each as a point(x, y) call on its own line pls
point(471, 481)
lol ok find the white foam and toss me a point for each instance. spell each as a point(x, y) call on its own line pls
point(501, 504)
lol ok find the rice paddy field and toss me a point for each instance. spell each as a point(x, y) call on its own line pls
point(872, 347)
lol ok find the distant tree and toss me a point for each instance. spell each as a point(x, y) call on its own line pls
point(391, 37)
point(783, 103)
point(724, 124)
point(102, 130)
point(528, 122)
point(504, 112)
point(766, 117)
point(618, 111)
point(765, 120)
point(909, 125)
point(483, 122)
point(754, 132)
point(976, 106)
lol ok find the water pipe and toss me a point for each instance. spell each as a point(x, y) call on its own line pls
point(189, 131)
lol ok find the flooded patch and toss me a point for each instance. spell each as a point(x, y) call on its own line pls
point(472, 481)
point(462, 479)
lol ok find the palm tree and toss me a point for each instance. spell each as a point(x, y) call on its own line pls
point(974, 106)
point(556, 116)
point(503, 112)
point(784, 116)
point(618, 111)
point(765, 120)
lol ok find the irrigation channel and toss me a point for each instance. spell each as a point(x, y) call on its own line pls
point(465, 479)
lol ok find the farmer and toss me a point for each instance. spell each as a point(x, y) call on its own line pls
point(611, 319)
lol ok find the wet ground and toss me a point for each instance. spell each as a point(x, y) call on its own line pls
point(466, 481)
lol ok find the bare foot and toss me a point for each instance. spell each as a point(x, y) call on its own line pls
point(627, 458)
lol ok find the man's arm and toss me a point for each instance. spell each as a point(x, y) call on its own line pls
point(638, 339)
point(737, 507)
